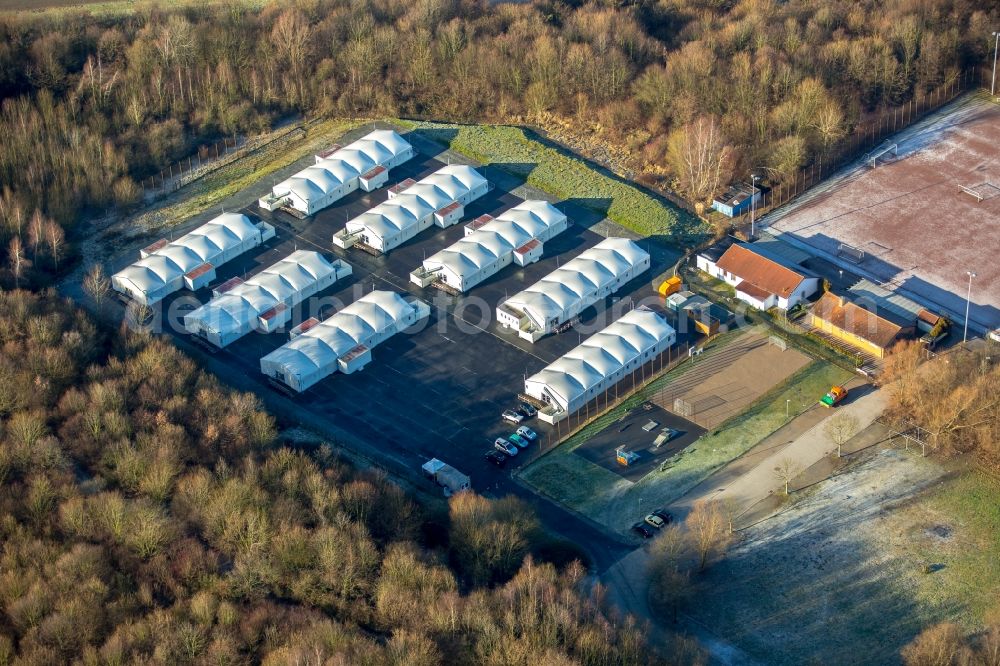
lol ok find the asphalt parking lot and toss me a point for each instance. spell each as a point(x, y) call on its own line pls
point(438, 389)
point(630, 432)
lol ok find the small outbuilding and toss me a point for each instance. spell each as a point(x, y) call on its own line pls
point(737, 200)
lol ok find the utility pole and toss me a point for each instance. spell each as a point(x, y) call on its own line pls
point(753, 202)
point(968, 299)
point(996, 43)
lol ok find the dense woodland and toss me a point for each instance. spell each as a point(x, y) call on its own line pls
point(148, 515)
point(691, 90)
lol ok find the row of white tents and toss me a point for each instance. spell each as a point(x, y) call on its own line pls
point(439, 199)
point(265, 301)
point(364, 163)
point(190, 261)
point(573, 287)
point(343, 341)
point(517, 235)
point(599, 362)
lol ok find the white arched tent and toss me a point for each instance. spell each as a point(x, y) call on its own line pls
point(191, 260)
point(343, 341)
point(264, 302)
point(363, 163)
point(576, 285)
point(601, 361)
point(487, 248)
point(437, 199)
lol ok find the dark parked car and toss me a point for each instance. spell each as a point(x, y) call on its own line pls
point(643, 530)
point(528, 410)
point(496, 458)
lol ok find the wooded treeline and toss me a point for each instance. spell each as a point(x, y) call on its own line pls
point(690, 90)
point(954, 400)
point(147, 515)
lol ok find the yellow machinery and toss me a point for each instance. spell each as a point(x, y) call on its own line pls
point(670, 286)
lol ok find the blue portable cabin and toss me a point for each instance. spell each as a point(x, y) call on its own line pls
point(737, 200)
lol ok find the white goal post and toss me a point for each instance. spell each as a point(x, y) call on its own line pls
point(879, 152)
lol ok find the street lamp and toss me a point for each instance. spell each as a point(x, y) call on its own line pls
point(996, 43)
point(968, 299)
point(753, 201)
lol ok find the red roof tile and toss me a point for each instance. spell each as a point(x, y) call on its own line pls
point(753, 291)
point(856, 320)
point(763, 273)
point(374, 172)
point(268, 315)
point(153, 247)
point(354, 353)
point(228, 284)
point(402, 185)
point(528, 247)
point(198, 271)
point(330, 151)
point(450, 208)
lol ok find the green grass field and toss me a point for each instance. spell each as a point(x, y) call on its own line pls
point(969, 505)
point(568, 177)
point(235, 177)
point(602, 495)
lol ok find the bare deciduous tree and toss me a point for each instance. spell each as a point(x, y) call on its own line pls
point(97, 285)
point(709, 530)
point(786, 470)
point(15, 254)
point(700, 158)
point(55, 238)
point(840, 428)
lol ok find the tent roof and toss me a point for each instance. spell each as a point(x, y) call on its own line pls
point(440, 189)
point(323, 344)
point(206, 244)
point(603, 354)
point(577, 278)
point(374, 149)
point(276, 284)
point(504, 233)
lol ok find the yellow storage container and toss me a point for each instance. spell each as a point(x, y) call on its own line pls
point(670, 286)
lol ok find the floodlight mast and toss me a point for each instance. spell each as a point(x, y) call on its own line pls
point(996, 44)
point(968, 299)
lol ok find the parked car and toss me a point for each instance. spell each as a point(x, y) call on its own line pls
point(512, 416)
point(643, 530)
point(655, 521)
point(504, 446)
point(527, 433)
point(664, 515)
point(522, 442)
point(496, 458)
point(527, 409)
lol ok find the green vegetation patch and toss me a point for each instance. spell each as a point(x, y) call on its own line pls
point(231, 179)
point(566, 176)
point(571, 480)
point(961, 539)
